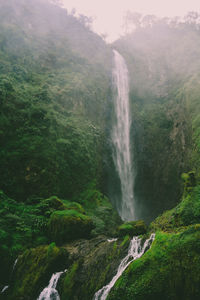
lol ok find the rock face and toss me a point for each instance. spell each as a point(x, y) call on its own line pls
point(94, 263)
point(67, 225)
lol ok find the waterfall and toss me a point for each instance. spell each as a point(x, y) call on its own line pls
point(15, 263)
point(13, 268)
point(121, 137)
point(136, 250)
point(50, 292)
point(112, 240)
point(4, 289)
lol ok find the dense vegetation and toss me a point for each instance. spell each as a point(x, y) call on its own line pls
point(55, 157)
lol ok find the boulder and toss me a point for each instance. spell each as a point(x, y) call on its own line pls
point(68, 225)
point(132, 228)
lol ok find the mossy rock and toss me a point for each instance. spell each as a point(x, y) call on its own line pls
point(189, 179)
point(34, 269)
point(68, 225)
point(132, 228)
point(170, 270)
point(54, 202)
point(74, 205)
point(95, 263)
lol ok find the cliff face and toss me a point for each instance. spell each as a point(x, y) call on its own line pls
point(162, 63)
point(165, 95)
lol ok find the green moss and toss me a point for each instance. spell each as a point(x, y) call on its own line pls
point(69, 225)
point(70, 213)
point(68, 282)
point(132, 228)
point(185, 213)
point(125, 240)
point(169, 270)
point(74, 205)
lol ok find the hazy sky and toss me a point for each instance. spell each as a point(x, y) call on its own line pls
point(109, 14)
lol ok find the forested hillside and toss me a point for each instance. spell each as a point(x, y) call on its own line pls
point(55, 92)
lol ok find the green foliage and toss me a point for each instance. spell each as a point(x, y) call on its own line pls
point(99, 208)
point(21, 225)
point(54, 88)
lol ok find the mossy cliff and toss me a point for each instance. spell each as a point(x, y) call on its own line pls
point(164, 93)
point(169, 270)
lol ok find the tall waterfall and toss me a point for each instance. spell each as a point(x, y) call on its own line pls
point(136, 250)
point(121, 137)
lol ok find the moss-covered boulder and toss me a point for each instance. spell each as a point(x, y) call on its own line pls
point(170, 270)
point(68, 225)
point(34, 269)
point(132, 228)
point(54, 202)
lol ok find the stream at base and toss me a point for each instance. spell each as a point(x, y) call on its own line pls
point(136, 250)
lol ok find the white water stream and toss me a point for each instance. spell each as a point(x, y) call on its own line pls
point(4, 289)
point(136, 250)
point(7, 286)
point(121, 137)
point(50, 292)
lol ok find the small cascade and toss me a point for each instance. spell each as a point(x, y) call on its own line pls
point(50, 292)
point(121, 138)
point(112, 240)
point(15, 263)
point(136, 250)
point(13, 268)
point(4, 289)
